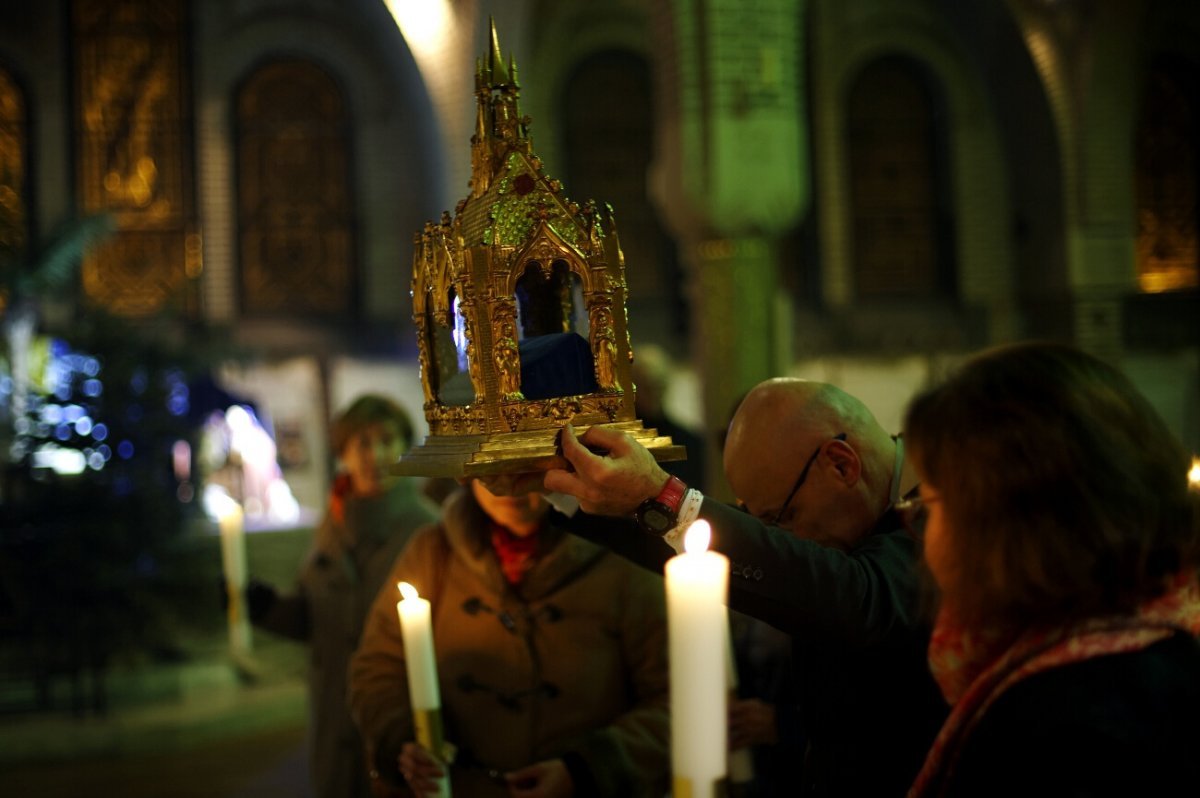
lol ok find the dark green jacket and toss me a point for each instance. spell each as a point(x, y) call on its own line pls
point(333, 592)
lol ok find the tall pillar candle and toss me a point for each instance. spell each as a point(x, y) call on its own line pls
point(416, 628)
point(231, 523)
point(697, 586)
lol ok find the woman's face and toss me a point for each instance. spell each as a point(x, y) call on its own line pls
point(368, 454)
point(521, 515)
point(936, 532)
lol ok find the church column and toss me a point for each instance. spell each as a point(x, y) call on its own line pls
point(732, 178)
point(1081, 54)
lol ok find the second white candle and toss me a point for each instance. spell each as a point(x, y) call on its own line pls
point(697, 586)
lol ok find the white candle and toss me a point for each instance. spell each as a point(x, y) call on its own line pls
point(697, 584)
point(230, 520)
point(416, 628)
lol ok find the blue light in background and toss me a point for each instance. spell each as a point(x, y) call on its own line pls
point(93, 388)
point(125, 450)
point(100, 431)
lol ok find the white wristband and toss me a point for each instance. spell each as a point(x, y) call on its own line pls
point(689, 509)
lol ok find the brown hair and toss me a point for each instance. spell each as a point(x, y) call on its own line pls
point(365, 411)
point(1064, 493)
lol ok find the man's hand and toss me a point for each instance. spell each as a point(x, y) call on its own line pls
point(549, 779)
point(614, 484)
point(419, 769)
point(751, 722)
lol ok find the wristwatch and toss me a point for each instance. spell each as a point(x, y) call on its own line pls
point(658, 515)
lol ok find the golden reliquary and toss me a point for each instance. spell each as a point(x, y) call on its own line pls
point(519, 305)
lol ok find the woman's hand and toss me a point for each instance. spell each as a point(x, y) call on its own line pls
point(751, 722)
point(419, 769)
point(549, 779)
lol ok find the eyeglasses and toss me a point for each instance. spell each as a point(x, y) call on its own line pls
point(914, 503)
point(841, 436)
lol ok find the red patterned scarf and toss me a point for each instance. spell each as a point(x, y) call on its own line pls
point(975, 667)
point(517, 554)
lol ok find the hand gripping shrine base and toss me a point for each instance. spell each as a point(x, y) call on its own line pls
point(519, 306)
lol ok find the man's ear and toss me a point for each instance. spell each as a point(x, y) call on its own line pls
point(845, 461)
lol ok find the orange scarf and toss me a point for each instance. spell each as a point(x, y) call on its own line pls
point(975, 667)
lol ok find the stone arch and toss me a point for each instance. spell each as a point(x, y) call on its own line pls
point(400, 156)
point(574, 31)
point(977, 184)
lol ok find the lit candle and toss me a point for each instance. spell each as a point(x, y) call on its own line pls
point(416, 627)
point(697, 584)
point(230, 520)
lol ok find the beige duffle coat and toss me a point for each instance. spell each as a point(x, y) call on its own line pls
point(570, 663)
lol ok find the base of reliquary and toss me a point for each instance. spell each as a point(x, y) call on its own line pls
point(463, 456)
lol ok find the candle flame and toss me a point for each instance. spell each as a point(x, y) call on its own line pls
point(406, 590)
point(1194, 473)
point(697, 537)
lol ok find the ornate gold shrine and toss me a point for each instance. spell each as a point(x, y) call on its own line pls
point(519, 305)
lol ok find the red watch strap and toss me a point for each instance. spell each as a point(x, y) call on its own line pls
point(672, 493)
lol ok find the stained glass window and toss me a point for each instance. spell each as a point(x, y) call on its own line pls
point(134, 152)
point(901, 241)
point(607, 155)
point(13, 142)
point(295, 206)
point(1167, 174)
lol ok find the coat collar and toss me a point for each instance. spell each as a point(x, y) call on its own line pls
point(564, 556)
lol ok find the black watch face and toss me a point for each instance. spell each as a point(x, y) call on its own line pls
point(656, 519)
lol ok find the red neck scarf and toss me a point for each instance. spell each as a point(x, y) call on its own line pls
point(974, 667)
point(517, 554)
point(343, 487)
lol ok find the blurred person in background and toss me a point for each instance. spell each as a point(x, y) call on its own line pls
point(370, 517)
point(651, 371)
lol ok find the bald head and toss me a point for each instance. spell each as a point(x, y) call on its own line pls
point(782, 422)
point(779, 415)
